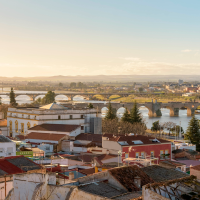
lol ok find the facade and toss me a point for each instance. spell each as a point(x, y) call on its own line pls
point(3, 127)
point(137, 146)
point(19, 120)
point(7, 147)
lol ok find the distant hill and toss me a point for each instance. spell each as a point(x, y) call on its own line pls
point(106, 78)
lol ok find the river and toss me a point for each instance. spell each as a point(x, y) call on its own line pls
point(183, 118)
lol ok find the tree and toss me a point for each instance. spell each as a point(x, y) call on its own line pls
point(90, 106)
point(177, 129)
point(60, 85)
point(72, 85)
point(192, 132)
point(141, 89)
point(126, 116)
point(49, 97)
point(169, 126)
point(155, 126)
point(111, 114)
point(135, 115)
point(12, 98)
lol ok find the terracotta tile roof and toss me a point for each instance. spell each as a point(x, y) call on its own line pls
point(87, 171)
point(129, 139)
point(90, 137)
point(21, 137)
point(4, 139)
point(159, 174)
point(197, 167)
point(3, 122)
point(106, 156)
point(45, 136)
point(55, 127)
point(126, 175)
point(191, 152)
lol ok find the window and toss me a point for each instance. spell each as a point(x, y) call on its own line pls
point(58, 116)
point(82, 128)
point(166, 153)
point(161, 154)
point(71, 116)
point(28, 125)
point(28, 117)
point(22, 128)
point(47, 147)
point(137, 154)
point(10, 150)
point(143, 155)
point(126, 155)
point(82, 116)
point(34, 117)
point(152, 154)
point(1, 150)
point(22, 115)
point(10, 125)
point(16, 126)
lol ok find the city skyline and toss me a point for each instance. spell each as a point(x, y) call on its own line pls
point(49, 38)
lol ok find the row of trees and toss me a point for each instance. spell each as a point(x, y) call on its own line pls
point(130, 122)
point(77, 85)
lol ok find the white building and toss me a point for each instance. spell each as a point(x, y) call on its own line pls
point(19, 120)
point(7, 147)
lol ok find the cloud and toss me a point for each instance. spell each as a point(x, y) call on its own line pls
point(130, 58)
point(186, 50)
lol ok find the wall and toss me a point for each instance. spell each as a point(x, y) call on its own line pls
point(4, 130)
point(147, 194)
point(9, 186)
point(195, 173)
point(5, 146)
point(111, 146)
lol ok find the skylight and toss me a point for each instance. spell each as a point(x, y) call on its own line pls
point(137, 142)
point(123, 143)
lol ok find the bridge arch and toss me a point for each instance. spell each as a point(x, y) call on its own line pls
point(61, 97)
point(39, 96)
point(24, 95)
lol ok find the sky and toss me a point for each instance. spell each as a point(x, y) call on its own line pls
point(99, 37)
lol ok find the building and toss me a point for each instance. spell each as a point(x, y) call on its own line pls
point(174, 189)
point(180, 81)
point(10, 166)
point(19, 120)
point(195, 171)
point(137, 146)
point(187, 154)
point(173, 165)
point(7, 147)
point(3, 127)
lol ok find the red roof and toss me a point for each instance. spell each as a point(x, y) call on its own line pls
point(45, 136)
point(130, 139)
point(55, 127)
point(9, 168)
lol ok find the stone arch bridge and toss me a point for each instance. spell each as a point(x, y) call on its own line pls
point(69, 95)
point(153, 107)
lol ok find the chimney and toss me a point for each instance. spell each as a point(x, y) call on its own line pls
point(71, 175)
point(137, 181)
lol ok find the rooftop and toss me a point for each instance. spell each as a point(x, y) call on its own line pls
point(159, 174)
point(134, 139)
point(197, 167)
point(102, 189)
point(53, 106)
point(173, 163)
point(191, 152)
point(90, 137)
point(126, 175)
point(45, 136)
point(55, 127)
point(16, 164)
point(4, 139)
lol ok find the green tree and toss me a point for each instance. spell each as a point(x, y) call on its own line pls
point(126, 116)
point(49, 97)
point(135, 115)
point(90, 106)
point(12, 98)
point(111, 114)
point(192, 132)
point(141, 89)
point(155, 126)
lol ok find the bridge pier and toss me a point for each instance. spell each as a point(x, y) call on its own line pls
point(174, 112)
point(190, 111)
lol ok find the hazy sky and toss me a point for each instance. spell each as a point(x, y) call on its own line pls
point(92, 37)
